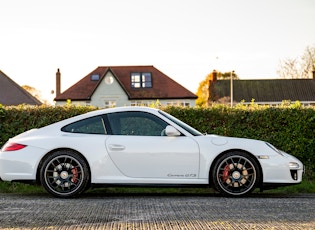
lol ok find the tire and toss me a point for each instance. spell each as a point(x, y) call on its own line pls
point(235, 174)
point(64, 174)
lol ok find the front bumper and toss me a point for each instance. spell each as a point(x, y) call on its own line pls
point(282, 169)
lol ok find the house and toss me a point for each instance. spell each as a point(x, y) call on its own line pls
point(266, 92)
point(13, 94)
point(113, 86)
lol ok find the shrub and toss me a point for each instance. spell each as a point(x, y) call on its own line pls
point(18, 119)
point(290, 128)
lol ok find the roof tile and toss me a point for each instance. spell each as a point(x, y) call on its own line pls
point(270, 90)
point(13, 94)
point(163, 87)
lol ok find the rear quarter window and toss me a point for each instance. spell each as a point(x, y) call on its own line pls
point(92, 125)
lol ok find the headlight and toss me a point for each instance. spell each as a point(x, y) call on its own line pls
point(274, 148)
point(294, 165)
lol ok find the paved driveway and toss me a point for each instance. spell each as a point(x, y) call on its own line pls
point(130, 211)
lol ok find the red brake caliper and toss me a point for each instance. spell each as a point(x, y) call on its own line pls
point(225, 175)
point(75, 175)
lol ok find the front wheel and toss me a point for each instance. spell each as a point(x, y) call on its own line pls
point(64, 174)
point(235, 174)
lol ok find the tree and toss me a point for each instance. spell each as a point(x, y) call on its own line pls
point(300, 67)
point(308, 64)
point(289, 68)
point(35, 93)
point(207, 85)
point(227, 75)
point(201, 101)
point(203, 91)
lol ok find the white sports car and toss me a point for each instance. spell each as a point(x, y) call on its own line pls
point(145, 147)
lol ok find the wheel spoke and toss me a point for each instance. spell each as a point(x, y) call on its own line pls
point(64, 174)
point(236, 175)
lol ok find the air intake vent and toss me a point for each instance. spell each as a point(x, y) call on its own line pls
point(294, 174)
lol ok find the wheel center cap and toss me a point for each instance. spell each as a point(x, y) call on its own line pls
point(64, 175)
point(236, 175)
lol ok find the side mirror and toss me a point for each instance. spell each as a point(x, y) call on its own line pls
point(170, 131)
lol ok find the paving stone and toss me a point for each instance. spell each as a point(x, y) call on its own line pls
point(157, 212)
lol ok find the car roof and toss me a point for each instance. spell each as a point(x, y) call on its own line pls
point(64, 122)
point(121, 109)
point(107, 111)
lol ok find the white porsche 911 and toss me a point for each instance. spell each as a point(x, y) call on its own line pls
point(145, 147)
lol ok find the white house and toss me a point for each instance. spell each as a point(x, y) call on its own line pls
point(125, 85)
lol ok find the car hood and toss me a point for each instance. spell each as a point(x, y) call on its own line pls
point(218, 140)
point(223, 143)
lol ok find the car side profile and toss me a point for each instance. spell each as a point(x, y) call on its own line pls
point(141, 146)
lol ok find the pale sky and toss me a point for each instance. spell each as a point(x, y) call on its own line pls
point(185, 39)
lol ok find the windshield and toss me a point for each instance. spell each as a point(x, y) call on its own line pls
point(183, 125)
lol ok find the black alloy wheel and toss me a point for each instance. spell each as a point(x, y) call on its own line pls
point(64, 174)
point(235, 174)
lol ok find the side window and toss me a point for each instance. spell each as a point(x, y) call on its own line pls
point(136, 123)
point(93, 125)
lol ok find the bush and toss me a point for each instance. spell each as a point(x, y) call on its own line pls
point(18, 119)
point(290, 128)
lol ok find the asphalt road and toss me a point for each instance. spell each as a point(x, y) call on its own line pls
point(141, 211)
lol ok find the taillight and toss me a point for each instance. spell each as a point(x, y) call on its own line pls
point(12, 147)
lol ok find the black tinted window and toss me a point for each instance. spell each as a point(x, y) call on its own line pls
point(136, 123)
point(93, 125)
point(183, 125)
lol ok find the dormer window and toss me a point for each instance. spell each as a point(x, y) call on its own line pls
point(95, 77)
point(141, 80)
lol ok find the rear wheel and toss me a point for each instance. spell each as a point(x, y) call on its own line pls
point(235, 174)
point(64, 174)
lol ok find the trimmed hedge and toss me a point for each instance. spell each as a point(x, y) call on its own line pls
point(18, 119)
point(290, 128)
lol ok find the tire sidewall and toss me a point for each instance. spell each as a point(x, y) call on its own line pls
point(86, 174)
point(216, 183)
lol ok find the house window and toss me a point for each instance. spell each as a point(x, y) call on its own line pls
point(141, 80)
point(178, 103)
point(185, 104)
point(110, 104)
point(138, 103)
point(95, 77)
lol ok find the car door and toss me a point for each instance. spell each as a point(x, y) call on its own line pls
point(139, 150)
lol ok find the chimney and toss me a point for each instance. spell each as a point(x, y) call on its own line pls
point(58, 85)
point(214, 76)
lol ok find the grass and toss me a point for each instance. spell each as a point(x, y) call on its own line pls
point(20, 188)
point(307, 186)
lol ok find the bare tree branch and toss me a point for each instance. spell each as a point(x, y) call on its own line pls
point(300, 67)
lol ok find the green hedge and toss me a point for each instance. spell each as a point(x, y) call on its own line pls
point(290, 128)
point(18, 119)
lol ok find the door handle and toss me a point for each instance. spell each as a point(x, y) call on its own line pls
point(116, 147)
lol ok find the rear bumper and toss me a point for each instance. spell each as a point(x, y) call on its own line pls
point(20, 165)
